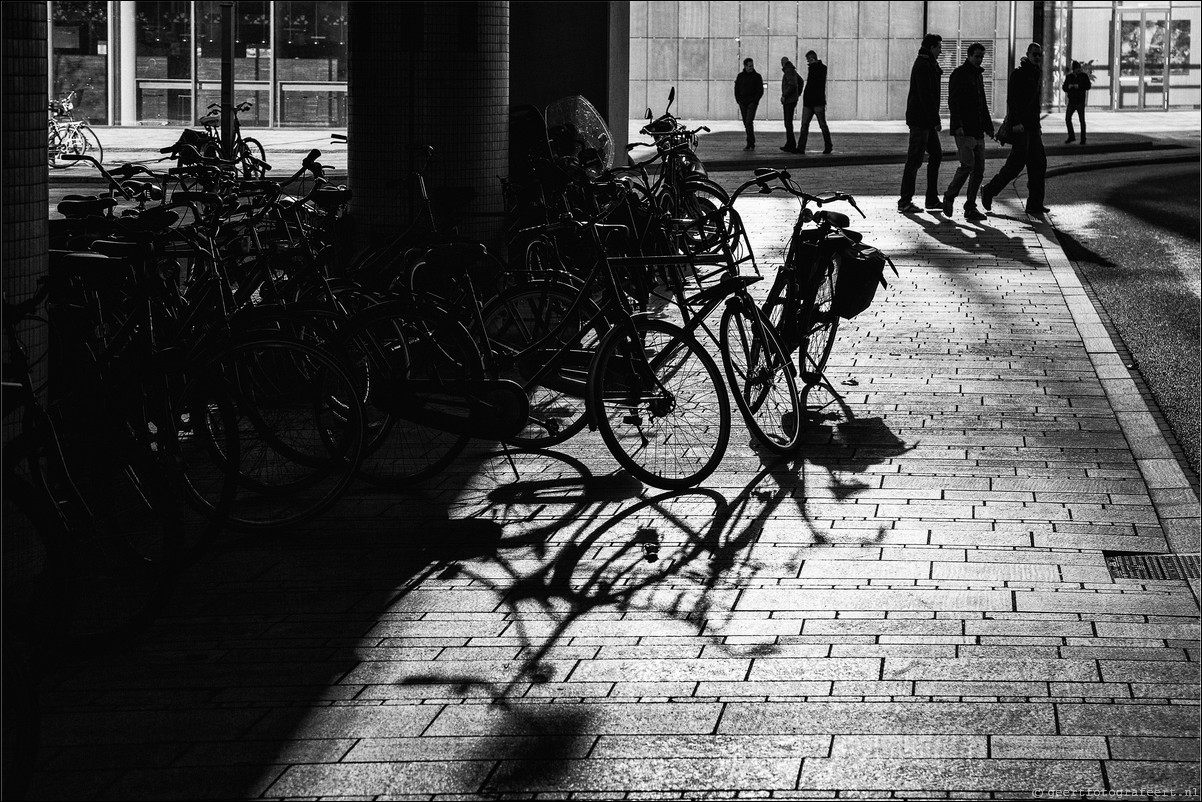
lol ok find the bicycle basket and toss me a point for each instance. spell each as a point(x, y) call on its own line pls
point(860, 273)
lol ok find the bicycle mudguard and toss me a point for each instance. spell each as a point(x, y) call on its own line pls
point(490, 409)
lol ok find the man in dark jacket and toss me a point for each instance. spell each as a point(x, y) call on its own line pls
point(813, 103)
point(922, 117)
point(1076, 87)
point(790, 93)
point(749, 88)
point(1026, 138)
point(970, 122)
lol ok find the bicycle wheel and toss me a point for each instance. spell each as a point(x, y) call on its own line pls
point(527, 315)
point(760, 376)
point(253, 148)
point(300, 427)
point(659, 403)
point(398, 342)
point(819, 322)
point(54, 144)
point(67, 141)
point(91, 143)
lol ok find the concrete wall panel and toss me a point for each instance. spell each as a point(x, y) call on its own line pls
point(753, 18)
point(692, 100)
point(841, 99)
point(724, 19)
point(783, 46)
point(638, 99)
point(898, 92)
point(657, 96)
point(662, 59)
point(845, 20)
point(638, 19)
point(812, 21)
point(977, 21)
point(722, 101)
point(782, 18)
point(874, 21)
point(694, 19)
point(842, 61)
point(871, 99)
point(873, 59)
point(638, 58)
point(724, 60)
point(756, 47)
point(905, 19)
point(943, 17)
point(662, 18)
point(694, 59)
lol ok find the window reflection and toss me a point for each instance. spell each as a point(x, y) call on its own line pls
point(79, 38)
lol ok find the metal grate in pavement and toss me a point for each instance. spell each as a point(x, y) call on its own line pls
point(1127, 565)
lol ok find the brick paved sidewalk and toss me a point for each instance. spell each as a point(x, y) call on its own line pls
point(918, 605)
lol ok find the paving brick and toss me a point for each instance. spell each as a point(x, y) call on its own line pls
point(991, 670)
point(602, 719)
point(1157, 720)
point(949, 774)
point(1047, 747)
point(1149, 749)
point(909, 746)
point(933, 718)
point(1083, 602)
point(1148, 671)
point(768, 668)
point(661, 670)
point(701, 746)
point(376, 779)
point(620, 774)
point(1172, 780)
point(782, 599)
point(464, 748)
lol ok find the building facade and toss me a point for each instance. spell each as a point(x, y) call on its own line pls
point(1140, 53)
point(146, 62)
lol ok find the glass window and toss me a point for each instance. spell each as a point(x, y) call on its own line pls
point(311, 63)
point(164, 61)
point(252, 57)
point(79, 38)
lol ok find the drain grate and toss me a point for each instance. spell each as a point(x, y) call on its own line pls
point(1128, 565)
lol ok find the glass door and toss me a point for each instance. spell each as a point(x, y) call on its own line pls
point(1142, 45)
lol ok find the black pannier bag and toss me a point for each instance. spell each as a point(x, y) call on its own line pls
point(860, 272)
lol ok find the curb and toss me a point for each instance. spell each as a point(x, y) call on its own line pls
point(1065, 169)
point(1173, 497)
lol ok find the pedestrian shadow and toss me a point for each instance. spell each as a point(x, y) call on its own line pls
point(983, 237)
point(1078, 252)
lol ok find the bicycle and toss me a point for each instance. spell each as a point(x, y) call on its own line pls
point(817, 285)
point(69, 136)
point(246, 153)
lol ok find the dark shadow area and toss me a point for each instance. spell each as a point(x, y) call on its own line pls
point(1170, 203)
point(1077, 251)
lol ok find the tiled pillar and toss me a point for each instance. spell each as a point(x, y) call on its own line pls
point(421, 74)
point(24, 254)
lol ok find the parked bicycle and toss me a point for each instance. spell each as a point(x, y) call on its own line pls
point(68, 136)
point(829, 273)
point(246, 152)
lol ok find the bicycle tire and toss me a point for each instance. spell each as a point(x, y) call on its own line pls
point(818, 320)
point(69, 142)
point(394, 342)
point(91, 142)
point(252, 147)
point(760, 376)
point(300, 425)
point(518, 319)
point(671, 453)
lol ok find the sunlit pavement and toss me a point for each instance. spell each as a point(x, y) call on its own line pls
point(919, 604)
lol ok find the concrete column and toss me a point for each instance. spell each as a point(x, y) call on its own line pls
point(427, 73)
point(24, 253)
point(127, 67)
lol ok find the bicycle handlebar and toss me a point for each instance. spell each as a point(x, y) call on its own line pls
point(112, 182)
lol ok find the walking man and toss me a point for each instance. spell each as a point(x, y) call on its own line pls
point(922, 118)
point(1076, 86)
point(970, 122)
point(749, 88)
point(790, 93)
point(1026, 149)
point(813, 103)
